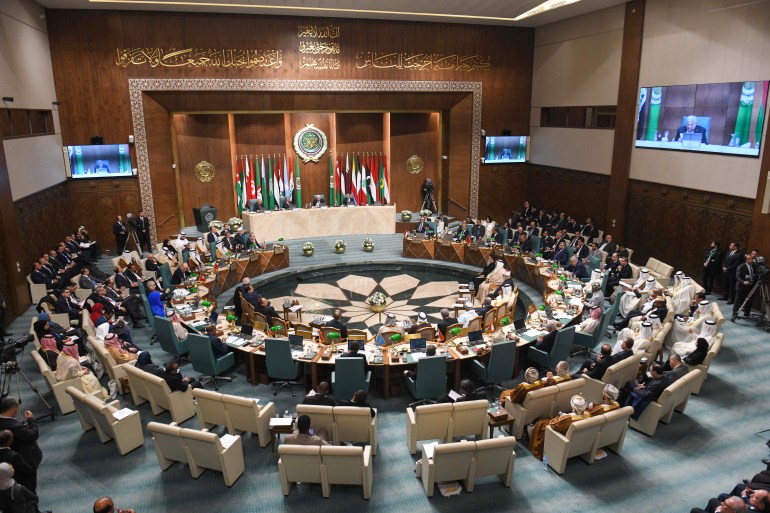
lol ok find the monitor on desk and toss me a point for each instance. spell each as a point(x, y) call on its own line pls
point(295, 341)
point(475, 336)
point(417, 344)
point(246, 330)
point(213, 317)
point(519, 324)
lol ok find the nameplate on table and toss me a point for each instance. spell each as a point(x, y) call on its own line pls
point(268, 211)
point(324, 207)
point(454, 395)
point(236, 342)
point(296, 209)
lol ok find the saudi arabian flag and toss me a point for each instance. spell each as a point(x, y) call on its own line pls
point(654, 117)
point(743, 121)
point(298, 186)
point(269, 201)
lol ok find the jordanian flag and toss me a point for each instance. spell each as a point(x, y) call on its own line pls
point(240, 187)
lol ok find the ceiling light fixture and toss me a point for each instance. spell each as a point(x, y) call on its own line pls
point(299, 8)
point(548, 5)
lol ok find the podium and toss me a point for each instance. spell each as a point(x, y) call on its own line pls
point(203, 216)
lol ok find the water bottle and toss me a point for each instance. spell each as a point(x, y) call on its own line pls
point(286, 414)
point(545, 462)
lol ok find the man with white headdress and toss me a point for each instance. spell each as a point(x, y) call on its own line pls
point(708, 330)
point(684, 327)
point(506, 287)
point(390, 327)
point(631, 298)
point(596, 299)
point(492, 281)
point(470, 314)
point(678, 276)
point(645, 337)
point(589, 325)
point(623, 335)
point(181, 243)
point(609, 402)
point(560, 424)
point(681, 296)
point(655, 304)
point(517, 394)
point(597, 276)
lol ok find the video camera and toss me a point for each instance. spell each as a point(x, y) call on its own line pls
point(761, 271)
point(10, 348)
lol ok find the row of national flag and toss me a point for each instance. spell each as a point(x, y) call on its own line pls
point(267, 178)
point(364, 176)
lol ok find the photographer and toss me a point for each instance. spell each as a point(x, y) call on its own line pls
point(745, 277)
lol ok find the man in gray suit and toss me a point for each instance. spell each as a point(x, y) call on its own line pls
point(677, 369)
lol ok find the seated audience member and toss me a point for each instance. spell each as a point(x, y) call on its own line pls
point(594, 368)
point(673, 370)
point(305, 435)
point(493, 280)
point(610, 395)
point(336, 322)
point(488, 268)
point(621, 272)
point(105, 505)
point(390, 327)
point(545, 342)
point(68, 367)
point(266, 309)
point(120, 354)
point(359, 399)
point(517, 394)
point(420, 323)
point(48, 350)
point(469, 392)
point(156, 299)
point(176, 322)
point(87, 281)
point(560, 424)
point(173, 377)
point(590, 325)
point(755, 499)
point(218, 347)
point(353, 347)
point(577, 267)
point(429, 351)
point(321, 396)
point(144, 362)
point(562, 375)
point(700, 353)
point(649, 392)
point(728, 505)
point(445, 322)
point(561, 256)
point(181, 274)
point(25, 474)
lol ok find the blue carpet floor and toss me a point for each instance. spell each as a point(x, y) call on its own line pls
point(703, 452)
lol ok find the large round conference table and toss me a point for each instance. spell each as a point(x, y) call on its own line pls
point(389, 363)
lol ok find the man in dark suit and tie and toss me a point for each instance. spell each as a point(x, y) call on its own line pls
point(25, 434)
point(142, 226)
point(649, 392)
point(691, 127)
point(321, 396)
point(581, 250)
point(337, 323)
point(176, 382)
point(732, 260)
point(422, 226)
point(445, 322)
point(545, 342)
point(181, 274)
point(744, 279)
point(608, 246)
point(121, 234)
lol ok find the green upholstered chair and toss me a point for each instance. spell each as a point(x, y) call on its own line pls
point(164, 329)
point(590, 341)
point(204, 361)
point(280, 365)
point(559, 351)
point(350, 376)
point(430, 381)
point(502, 361)
point(165, 274)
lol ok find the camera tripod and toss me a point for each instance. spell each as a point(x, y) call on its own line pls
point(763, 319)
point(11, 369)
point(428, 203)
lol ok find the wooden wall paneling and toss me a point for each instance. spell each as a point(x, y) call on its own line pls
point(44, 218)
point(502, 189)
point(160, 150)
point(206, 137)
point(315, 175)
point(5, 123)
point(459, 152)
point(259, 134)
point(576, 193)
point(628, 96)
point(412, 134)
point(15, 258)
point(359, 132)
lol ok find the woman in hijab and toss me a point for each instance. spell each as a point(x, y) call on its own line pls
point(697, 356)
point(68, 367)
point(707, 332)
point(97, 315)
point(113, 345)
point(48, 350)
point(155, 298)
point(144, 362)
point(12, 493)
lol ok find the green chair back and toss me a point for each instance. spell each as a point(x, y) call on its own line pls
point(202, 356)
point(502, 360)
point(535, 241)
point(431, 378)
point(278, 360)
point(349, 377)
point(165, 274)
point(164, 329)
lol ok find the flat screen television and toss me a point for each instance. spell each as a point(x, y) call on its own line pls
point(725, 119)
point(97, 161)
point(505, 149)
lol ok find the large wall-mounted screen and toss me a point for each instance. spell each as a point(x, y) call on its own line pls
point(98, 160)
point(725, 118)
point(505, 149)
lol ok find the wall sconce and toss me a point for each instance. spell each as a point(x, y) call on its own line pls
point(8, 99)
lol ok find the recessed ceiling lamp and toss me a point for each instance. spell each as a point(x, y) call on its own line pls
point(548, 5)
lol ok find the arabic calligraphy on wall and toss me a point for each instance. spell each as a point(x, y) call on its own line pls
point(200, 58)
point(319, 63)
point(318, 31)
point(422, 61)
point(319, 47)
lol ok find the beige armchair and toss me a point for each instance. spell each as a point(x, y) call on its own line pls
point(155, 389)
point(36, 290)
point(495, 457)
point(449, 462)
point(469, 418)
point(706, 364)
point(613, 432)
point(57, 388)
point(427, 422)
point(300, 464)
point(536, 404)
point(673, 398)
point(355, 424)
point(168, 443)
point(125, 430)
point(580, 440)
point(210, 408)
point(348, 466)
point(207, 451)
point(113, 370)
point(564, 393)
point(321, 417)
point(245, 415)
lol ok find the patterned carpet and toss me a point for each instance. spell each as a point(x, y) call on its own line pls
point(705, 451)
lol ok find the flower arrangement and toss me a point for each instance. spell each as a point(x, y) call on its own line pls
point(235, 223)
point(368, 244)
point(217, 224)
point(339, 244)
point(425, 212)
point(378, 298)
point(308, 246)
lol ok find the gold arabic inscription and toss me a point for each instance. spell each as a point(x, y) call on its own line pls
point(200, 58)
point(422, 61)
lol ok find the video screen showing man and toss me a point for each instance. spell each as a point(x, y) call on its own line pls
point(691, 127)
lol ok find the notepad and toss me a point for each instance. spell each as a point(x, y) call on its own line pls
point(122, 414)
point(454, 395)
point(532, 333)
point(281, 421)
point(228, 440)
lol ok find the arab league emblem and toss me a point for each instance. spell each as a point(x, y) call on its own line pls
point(310, 143)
